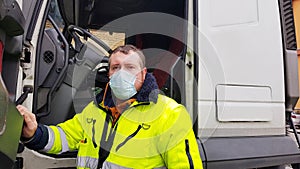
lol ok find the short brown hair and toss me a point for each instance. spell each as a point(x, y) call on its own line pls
point(125, 49)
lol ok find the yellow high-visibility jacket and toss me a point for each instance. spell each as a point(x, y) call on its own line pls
point(146, 135)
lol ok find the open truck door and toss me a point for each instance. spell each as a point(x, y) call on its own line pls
point(11, 123)
point(11, 30)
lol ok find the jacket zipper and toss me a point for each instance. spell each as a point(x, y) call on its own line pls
point(188, 154)
point(129, 137)
point(93, 132)
point(106, 144)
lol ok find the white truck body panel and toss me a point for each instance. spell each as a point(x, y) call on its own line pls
point(241, 89)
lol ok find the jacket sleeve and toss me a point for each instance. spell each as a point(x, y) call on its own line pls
point(39, 139)
point(178, 144)
point(57, 139)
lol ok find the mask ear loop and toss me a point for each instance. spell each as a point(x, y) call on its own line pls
point(104, 95)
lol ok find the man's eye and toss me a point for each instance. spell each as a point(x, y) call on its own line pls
point(115, 67)
point(131, 67)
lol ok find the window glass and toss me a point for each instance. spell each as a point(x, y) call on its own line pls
point(55, 14)
point(112, 39)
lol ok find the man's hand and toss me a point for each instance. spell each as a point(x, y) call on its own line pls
point(30, 123)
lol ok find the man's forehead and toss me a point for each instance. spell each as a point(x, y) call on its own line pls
point(118, 57)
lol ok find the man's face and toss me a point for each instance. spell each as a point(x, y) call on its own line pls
point(129, 63)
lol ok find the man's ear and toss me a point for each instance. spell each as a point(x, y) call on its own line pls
point(144, 72)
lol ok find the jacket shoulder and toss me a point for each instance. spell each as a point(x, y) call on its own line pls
point(169, 103)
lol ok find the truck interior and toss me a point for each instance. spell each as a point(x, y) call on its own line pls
point(73, 62)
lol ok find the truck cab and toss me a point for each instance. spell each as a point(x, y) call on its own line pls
point(233, 64)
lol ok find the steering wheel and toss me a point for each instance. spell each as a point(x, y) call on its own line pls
point(98, 76)
point(86, 34)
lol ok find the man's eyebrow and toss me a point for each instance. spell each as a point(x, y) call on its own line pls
point(128, 64)
point(116, 64)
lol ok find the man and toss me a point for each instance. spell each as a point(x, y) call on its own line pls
point(129, 125)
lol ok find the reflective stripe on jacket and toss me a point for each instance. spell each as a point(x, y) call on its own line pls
point(147, 135)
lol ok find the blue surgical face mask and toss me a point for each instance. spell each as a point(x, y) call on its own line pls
point(122, 84)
